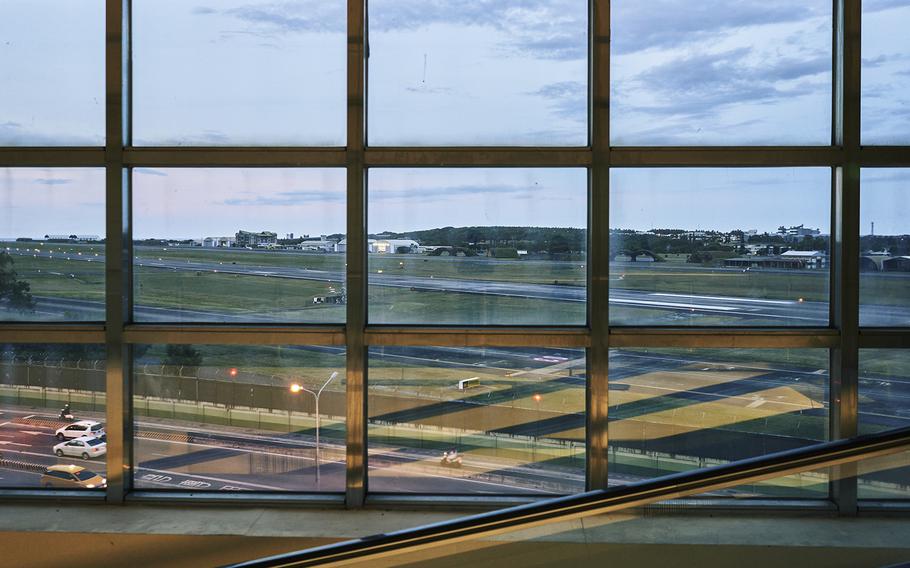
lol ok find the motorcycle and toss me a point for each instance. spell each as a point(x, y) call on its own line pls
point(450, 459)
point(66, 414)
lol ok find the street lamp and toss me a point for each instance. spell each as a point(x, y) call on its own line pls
point(536, 398)
point(295, 389)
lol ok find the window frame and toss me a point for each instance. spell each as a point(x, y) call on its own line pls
point(843, 336)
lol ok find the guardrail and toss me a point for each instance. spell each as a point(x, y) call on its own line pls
point(561, 509)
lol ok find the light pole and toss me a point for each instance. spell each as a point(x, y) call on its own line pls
point(296, 388)
point(537, 398)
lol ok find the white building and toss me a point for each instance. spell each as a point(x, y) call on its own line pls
point(321, 244)
point(218, 242)
point(394, 246)
point(812, 258)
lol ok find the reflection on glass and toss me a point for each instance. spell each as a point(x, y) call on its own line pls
point(884, 261)
point(742, 246)
point(239, 418)
point(239, 245)
point(673, 410)
point(720, 73)
point(51, 244)
point(477, 246)
point(52, 403)
point(886, 72)
point(884, 382)
point(467, 73)
point(464, 420)
point(239, 72)
point(52, 72)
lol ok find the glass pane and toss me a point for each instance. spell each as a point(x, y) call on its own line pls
point(51, 244)
point(239, 418)
point(743, 246)
point(464, 73)
point(477, 246)
point(52, 72)
point(721, 73)
point(464, 420)
point(884, 263)
point(239, 245)
point(886, 72)
point(884, 378)
point(673, 410)
point(239, 72)
point(47, 393)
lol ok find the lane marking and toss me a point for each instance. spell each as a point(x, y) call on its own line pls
point(220, 480)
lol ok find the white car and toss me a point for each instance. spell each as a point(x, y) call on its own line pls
point(85, 448)
point(79, 429)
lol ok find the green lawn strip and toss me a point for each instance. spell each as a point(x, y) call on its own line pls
point(655, 277)
point(401, 306)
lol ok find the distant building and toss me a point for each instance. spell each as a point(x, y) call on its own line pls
point(789, 260)
point(218, 242)
point(342, 245)
point(896, 264)
point(395, 246)
point(73, 238)
point(322, 244)
point(813, 259)
point(797, 233)
point(250, 239)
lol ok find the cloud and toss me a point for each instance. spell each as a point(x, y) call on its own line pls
point(437, 192)
point(53, 181)
point(697, 85)
point(150, 172)
point(879, 5)
point(872, 176)
point(285, 198)
point(669, 23)
point(568, 99)
point(547, 29)
point(277, 18)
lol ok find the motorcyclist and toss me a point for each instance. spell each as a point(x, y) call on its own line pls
point(65, 413)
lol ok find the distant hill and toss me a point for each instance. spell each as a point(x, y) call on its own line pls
point(534, 239)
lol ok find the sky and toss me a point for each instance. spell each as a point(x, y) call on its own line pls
point(441, 72)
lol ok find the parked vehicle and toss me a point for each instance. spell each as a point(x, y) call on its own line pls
point(86, 447)
point(81, 428)
point(72, 477)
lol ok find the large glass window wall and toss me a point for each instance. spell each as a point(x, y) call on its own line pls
point(514, 258)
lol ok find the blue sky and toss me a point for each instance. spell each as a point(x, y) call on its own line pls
point(441, 72)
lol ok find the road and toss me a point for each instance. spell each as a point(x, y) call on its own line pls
point(233, 459)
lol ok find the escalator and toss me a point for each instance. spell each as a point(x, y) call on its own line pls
point(836, 460)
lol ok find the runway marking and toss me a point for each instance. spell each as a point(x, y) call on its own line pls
point(726, 298)
point(757, 403)
point(671, 305)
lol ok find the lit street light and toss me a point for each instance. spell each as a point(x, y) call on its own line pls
point(295, 389)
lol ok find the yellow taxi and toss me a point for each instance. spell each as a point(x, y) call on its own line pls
point(72, 477)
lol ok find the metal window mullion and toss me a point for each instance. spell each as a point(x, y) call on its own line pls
point(845, 269)
point(117, 264)
point(599, 217)
point(356, 395)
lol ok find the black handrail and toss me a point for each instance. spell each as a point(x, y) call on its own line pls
point(561, 509)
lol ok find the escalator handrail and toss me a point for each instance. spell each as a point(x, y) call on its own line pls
point(560, 509)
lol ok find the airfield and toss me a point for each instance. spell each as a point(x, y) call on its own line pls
point(521, 431)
